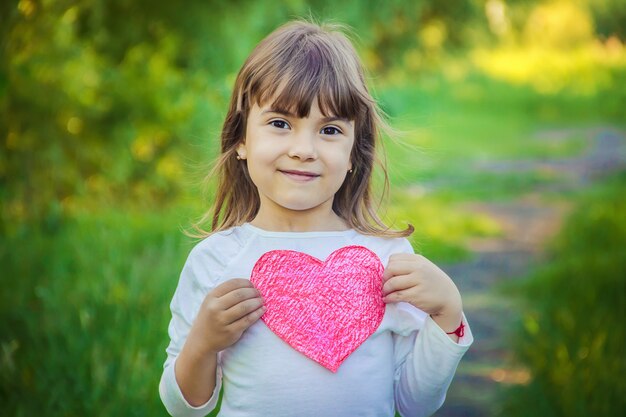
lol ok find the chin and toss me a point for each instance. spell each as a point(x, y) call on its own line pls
point(298, 203)
point(299, 206)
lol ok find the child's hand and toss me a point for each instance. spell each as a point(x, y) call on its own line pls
point(414, 279)
point(225, 314)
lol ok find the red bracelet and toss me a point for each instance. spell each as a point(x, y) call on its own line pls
point(460, 331)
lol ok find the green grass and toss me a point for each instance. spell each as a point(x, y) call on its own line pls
point(84, 316)
point(450, 136)
point(570, 334)
point(455, 145)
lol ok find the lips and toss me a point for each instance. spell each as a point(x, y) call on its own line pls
point(300, 175)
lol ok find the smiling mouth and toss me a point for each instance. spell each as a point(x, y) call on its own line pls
point(302, 176)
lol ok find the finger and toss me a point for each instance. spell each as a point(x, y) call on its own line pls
point(230, 285)
point(395, 297)
point(236, 296)
point(399, 267)
point(399, 283)
point(242, 309)
point(249, 319)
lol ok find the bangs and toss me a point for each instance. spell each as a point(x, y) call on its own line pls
point(306, 70)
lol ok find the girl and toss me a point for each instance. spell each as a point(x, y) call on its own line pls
point(294, 174)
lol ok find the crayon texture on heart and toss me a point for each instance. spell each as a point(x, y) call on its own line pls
point(324, 310)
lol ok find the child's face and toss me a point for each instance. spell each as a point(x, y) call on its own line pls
point(296, 164)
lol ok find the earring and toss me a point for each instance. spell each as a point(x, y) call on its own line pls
point(350, 171)
point(238, 157)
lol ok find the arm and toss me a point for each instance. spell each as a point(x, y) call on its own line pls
point(428, 367)
point(424, 374)
point(196, 375)
point(184, 306)
point(201, 326)
point(225, 314)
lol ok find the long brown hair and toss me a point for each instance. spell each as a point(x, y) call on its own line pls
point(295, 64)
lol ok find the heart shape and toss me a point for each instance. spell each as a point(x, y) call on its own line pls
point(324, 310)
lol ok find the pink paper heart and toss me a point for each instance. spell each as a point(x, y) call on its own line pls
point(324, 310)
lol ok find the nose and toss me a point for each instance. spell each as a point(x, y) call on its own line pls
point(303, 146)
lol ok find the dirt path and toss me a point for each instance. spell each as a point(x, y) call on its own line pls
point(528, 222)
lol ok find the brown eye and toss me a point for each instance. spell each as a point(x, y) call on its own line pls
point(280, 124)
point(330, 130)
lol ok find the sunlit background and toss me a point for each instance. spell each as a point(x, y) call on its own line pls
point(510, 163)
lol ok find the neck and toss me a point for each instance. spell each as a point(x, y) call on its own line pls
point(281, 219)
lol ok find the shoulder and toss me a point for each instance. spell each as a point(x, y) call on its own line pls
point(209, 257)
point(220, 244)
point(399, 244)
point(384, 247)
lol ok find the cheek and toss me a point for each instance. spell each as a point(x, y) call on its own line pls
point(265, 150)
point(339, 159)
point(256, 170)
point(261, 163)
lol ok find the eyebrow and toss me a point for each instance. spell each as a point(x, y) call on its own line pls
point(289, 114)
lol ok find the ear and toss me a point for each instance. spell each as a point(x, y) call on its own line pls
point(241, 150)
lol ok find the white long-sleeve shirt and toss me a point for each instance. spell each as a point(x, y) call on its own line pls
point(407, 364)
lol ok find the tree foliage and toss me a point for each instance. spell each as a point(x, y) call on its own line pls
point(100, 98)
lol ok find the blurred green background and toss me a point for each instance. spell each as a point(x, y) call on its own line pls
point(511, 165)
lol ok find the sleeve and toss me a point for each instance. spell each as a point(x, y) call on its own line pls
point(425, 360)
point(199, 276)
